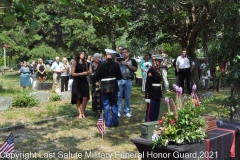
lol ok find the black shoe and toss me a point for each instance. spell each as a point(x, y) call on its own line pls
point(115, 125)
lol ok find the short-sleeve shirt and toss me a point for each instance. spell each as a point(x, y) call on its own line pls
point(56, 66)
point(126, 72)
point(184, 62)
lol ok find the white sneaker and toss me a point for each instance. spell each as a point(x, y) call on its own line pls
point(128, 115)
point(119, 114)
point(168, 90)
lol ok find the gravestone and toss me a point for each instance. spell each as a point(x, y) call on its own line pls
point(207, 95)
point(65, 95)
point(5, 103)
point(44, 86)
point(43, 96)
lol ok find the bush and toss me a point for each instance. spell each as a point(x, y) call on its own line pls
point(25, 100)
point(55, 98)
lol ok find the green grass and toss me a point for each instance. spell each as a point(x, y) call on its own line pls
point(82, 136)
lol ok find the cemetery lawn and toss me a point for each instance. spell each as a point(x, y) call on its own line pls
point(81, 136)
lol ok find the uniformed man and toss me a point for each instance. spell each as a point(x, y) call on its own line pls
point(153, 90)
point(109, 73)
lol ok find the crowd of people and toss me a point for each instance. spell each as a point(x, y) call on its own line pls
point(110, 80)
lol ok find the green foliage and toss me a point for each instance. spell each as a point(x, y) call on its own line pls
point(25, 100)
point(55, 97)
point(184, 125)
point(43, 51)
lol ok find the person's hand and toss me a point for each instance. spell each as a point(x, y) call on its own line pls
point(85, 73)
point(147, 100)
point(149, 74)
point(125, 63)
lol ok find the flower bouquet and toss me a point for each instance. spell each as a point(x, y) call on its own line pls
point(182, 123)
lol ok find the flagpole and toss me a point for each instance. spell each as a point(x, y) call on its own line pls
point(103, 125)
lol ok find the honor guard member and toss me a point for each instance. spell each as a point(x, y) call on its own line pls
point(108, 74)
point(153, 90)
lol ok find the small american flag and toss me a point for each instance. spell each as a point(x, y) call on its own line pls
point(101, 126)
point(8, 146)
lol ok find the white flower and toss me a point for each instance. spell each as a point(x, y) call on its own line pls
point(155, 137)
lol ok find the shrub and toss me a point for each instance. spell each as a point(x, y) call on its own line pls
point(55, 98)
point(25, 100)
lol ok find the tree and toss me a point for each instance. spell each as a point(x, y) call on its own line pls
point(184, 20)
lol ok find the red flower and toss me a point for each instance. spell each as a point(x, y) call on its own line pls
point(161, 121)
point(172, 122)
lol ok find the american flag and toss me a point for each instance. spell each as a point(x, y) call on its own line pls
point(101, 126)
point(8, 146)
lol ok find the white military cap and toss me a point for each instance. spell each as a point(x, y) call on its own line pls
point(157, 57)
point(110, 51)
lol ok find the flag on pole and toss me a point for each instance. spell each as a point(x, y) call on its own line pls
point(8, 146)
point(101, 125)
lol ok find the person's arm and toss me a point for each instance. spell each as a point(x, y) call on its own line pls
point(89, 69)
point(192, 66)
point(169, 63)
point(177, 65)
point(73, 69)
point(20, 71)
point(134, 65)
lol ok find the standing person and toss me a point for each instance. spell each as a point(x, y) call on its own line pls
point(70, 76)
point(25, 80)
point(33, 73)
point(205, 73)
point(184, 65)
point(55, 68)
point(109, 73)
point(80, 86)
point(41, 68)
point(64, 75)
point(119, 54)
point(96, 93)
point(153, 90)
point(165, 65)
point(128, 66)
point(145, 64)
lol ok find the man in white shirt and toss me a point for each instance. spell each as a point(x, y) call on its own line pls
point(184, 66)
point(56, 69)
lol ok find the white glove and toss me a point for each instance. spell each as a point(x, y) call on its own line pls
point(147, 100)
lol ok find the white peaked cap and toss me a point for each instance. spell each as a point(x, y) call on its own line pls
point(110, 51)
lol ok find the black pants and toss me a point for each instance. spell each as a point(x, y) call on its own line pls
point(182, 75)
point(64, 83)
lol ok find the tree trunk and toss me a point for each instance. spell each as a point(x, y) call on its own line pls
point(113, 40)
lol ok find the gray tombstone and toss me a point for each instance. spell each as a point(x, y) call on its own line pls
point(43, 96)
point(44, 86)
point(65, 95)
point(207, 95)
point(5, 103)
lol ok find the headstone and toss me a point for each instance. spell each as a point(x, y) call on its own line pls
point(65, 95)
point(43, 96)
point(44, 86)
point(5, 103)
point(207, 95)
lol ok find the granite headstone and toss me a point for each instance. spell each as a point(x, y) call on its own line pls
point(43, 96)
point(44, 86)
point(5, 103)
point(65, 95)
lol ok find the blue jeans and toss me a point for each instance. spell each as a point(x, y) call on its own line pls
point(109, 101)
point(126, 87)
point(152, 111)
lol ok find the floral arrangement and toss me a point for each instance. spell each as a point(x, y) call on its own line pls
point(182, 123)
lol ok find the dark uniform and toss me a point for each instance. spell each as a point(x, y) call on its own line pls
point(153, 91)
point(109, 72)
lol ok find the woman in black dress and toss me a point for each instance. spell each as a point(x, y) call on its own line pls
point(41, 68)
point(80, 87)
point(96, 92)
